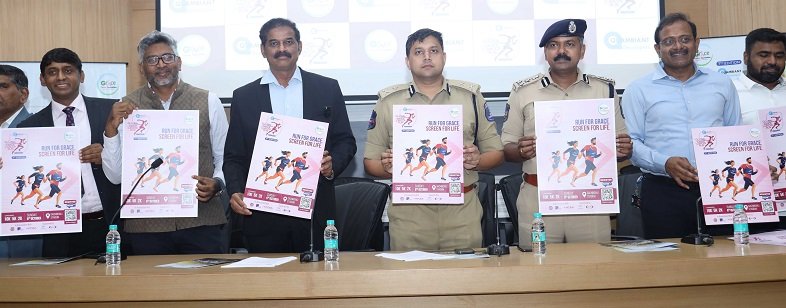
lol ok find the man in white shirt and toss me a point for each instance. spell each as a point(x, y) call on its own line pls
point(761, 86)
point(160, 65)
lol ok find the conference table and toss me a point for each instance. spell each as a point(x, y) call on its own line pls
point(569, 275)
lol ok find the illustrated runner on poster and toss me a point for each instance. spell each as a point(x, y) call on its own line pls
point(140, 168)
point(590, 153)
point(555, 160)
point(441, 150)
point(19, 185)
point(715, 177)
point(573, 153)
point(35, 188)
point(174, 160)
point(298, 165)
point(55, 176)
point(425, 151)
point(154, 173)
point(283, 162)
point(265, 167)
point(747, 172)
point(408, 155)
point(730, 172)
point(781, 164)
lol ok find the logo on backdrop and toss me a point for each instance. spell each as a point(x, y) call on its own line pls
point(107, 84)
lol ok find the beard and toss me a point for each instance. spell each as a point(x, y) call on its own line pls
point(170, 79)
point(762, 76)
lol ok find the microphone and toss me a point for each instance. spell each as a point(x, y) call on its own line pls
point(311, 255)
point(497, 249)
point(328, 112)
point(156, 163)
point(698, 238)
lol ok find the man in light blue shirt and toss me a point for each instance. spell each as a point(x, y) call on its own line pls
point(660, 110)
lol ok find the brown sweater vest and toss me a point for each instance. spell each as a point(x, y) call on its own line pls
point(186, 97)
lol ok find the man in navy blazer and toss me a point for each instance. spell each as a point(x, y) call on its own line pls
point(13, 96)
point(287, 90)
point(61, 73)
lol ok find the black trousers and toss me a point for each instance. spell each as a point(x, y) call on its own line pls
point(669, 211)
point(279, 233)
point(196, 240)
point(92, 240)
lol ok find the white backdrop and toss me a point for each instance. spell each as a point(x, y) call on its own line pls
point(103, 80)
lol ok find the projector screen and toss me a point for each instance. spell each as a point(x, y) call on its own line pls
point(361, 42)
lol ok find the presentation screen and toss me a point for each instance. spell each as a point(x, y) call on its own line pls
point(361, 42)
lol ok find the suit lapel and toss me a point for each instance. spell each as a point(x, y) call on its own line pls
point(47, 120)
point(93, 115)
point(264, 96)
point(310, 99)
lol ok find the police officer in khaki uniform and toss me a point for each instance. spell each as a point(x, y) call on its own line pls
point(434, 227)
point(563, 47)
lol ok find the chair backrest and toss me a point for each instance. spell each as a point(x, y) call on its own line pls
point(359, 207)
point(629, 221)
point(510, 187)
point(488, 200)
point(350, 179)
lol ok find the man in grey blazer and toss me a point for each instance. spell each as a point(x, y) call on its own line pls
point(13, 96)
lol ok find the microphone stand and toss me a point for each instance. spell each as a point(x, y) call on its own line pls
point(497, 249)
point(311, 255)
point(698, 238)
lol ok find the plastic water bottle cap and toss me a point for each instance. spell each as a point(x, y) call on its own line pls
point(112, 227)
point(330, 222)
point(538, 215)
point(739, 206)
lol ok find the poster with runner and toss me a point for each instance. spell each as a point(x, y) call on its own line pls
point(41, 176)
point(169, 190)
point(285, 164)
point(732, 166)
point(576, 156)
point(771, 121)
point(428, 160)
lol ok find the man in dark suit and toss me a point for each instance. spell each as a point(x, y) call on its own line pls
point(13, 96)
point(286, 89)
point(61, 73)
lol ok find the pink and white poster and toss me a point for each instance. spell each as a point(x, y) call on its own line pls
point(428, 159)
point(775, 141)
point(169, 190)
point(285, 165)
point(576, 157)
point(733, 169)
point(41, 191)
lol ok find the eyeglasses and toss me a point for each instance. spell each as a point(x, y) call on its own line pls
point(168, 58)
point(287, 43)
point(669, 41)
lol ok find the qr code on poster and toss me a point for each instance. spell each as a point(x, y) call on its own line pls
point(767, 207)
point(607, 194)
point(305, 203)
point(455, 188)
point(70, 215)
point(187, 199)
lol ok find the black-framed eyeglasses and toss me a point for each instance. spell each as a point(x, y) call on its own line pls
point(669, 41)
point(168, 58)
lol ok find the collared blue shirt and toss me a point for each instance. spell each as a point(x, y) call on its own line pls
point(660, 112)
point(286, 101)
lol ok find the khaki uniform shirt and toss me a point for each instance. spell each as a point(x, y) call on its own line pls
point(520, 111)
point(454, 92)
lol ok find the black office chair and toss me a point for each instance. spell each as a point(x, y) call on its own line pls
point(629, 223)
point(359, 207)
point(510, 187)
point(349, 179)
point(488, 201)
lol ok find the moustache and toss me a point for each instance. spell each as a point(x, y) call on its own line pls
point(561, 56)
point(770, 67)
point(282, 53)
point(678, 52)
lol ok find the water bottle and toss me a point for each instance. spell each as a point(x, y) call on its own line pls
point(740, 225)
point(331, 241)
point(112, 246)
point(538, 235)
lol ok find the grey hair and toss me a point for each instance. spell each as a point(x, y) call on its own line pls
point(155, 37)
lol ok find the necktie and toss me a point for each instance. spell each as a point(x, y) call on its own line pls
point(69, 111)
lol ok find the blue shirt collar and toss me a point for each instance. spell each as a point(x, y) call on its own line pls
point(660, 73)
point(268, 77)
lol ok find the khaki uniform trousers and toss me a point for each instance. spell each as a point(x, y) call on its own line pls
point(436, 227)
point(559, 228)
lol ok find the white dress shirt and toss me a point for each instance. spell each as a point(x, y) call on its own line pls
point(91, 201)
point(112, 162)
point(285, 101)
point(10, 119)
point(754, 96)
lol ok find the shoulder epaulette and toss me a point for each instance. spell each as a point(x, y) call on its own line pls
point(528, 81)
point(392, 89)
point(604, 79)
point(466, 85)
